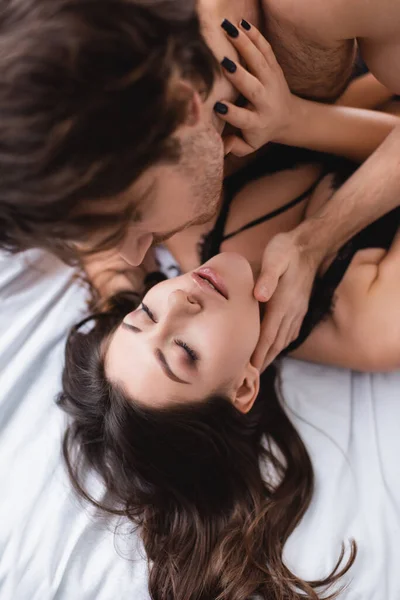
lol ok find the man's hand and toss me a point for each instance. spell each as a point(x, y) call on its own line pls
point(285, 282)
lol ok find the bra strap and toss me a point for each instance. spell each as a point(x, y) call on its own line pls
point(274, 213)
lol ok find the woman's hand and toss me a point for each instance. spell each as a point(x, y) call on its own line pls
point(263, 84)
point(274, 114)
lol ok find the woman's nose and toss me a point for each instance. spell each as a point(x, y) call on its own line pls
point(133, 249)
point(180, 301)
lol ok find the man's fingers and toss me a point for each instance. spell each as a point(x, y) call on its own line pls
point(236, 146)
point(269, 331)
point(279, 344)
point(274, 266)
point(294, 332)
point(270, 357)
point(266, 284)
point(299, 325)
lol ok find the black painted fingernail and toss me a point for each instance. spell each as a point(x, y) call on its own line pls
point(230, 29)
point(245, 25)
point(229, 65)
point(220, 108)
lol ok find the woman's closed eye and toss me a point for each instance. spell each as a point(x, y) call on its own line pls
point(193, 356)
point(190, 353)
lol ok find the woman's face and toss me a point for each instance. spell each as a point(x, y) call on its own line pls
point(189, 338)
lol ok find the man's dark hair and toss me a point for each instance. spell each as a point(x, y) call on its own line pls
point(86, 104)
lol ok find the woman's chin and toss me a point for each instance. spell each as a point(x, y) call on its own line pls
point(237, 274)
point(234, 266)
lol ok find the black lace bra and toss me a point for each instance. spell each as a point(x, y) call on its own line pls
point(379, 234)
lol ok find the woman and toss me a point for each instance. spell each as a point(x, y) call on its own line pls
point(168, 409)
point(177, 429)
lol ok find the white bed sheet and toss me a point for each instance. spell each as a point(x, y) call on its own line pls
point(52, 548)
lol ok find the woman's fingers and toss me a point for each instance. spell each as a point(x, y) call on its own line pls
point(246, 43)
point(263, 46)
point(248, 85)
point(241, 118)
point(236, 146)
point(271, 104)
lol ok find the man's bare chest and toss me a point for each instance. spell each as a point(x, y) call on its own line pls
point(313, 69)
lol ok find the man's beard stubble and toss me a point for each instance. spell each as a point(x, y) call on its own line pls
point(203, 164)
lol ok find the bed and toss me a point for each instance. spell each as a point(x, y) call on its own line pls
point(54, 548)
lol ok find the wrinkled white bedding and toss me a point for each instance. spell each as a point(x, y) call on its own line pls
point(51, 547)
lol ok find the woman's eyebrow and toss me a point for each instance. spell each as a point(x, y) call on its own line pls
point(167, 369)
point(160, 357)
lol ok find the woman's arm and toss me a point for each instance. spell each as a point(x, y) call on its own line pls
point(364, 330)
point(365, 92)
point(351, 132)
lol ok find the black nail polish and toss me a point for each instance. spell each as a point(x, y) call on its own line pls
point(220, 108)
point(245, 25)
point(230, 29)
point(229, 65)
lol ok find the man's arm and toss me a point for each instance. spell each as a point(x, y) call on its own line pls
point(291, 260)
point(372, 191)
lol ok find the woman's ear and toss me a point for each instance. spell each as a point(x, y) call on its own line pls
point(247, 392)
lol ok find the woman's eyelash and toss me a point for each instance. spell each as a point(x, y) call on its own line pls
point(148, 312)
point(189, 351)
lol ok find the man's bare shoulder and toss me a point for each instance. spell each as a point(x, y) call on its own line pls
point(337, 19)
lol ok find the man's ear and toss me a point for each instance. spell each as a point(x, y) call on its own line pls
point(187, 93)
point(247, 392)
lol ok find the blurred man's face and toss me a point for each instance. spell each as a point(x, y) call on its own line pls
point(170, 198)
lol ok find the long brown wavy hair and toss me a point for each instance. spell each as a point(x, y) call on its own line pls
point(189, 477)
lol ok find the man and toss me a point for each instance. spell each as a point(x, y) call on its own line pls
point(108, 134)
point(92, 95)
point(109, 138)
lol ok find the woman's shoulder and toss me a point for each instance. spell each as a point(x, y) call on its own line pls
point(356, 286)
point(270, 192)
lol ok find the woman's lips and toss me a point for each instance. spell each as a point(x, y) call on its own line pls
point(208, 277)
